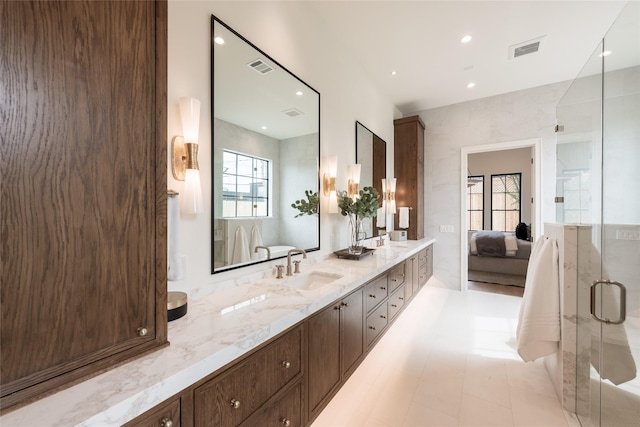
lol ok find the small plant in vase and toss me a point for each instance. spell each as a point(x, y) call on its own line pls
point(309, 206)
point(365, 205)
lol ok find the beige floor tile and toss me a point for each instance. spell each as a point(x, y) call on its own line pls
point(476, 412)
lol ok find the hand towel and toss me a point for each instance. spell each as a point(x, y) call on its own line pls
point(174, 270)
point(403, 220)
point(538, 330)
point(256, 240)
point(240, 247)
point(381, 219)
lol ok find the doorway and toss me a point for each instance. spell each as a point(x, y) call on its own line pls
point(534, 191)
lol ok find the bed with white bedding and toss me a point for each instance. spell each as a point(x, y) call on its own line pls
point(498, 257)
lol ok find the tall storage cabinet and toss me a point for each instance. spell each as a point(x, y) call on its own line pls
point(83, 167)
point(409, 172)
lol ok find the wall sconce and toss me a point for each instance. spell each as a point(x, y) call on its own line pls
point(184, 151)
point(329, 177)
point(389, 196)
point(353, 180)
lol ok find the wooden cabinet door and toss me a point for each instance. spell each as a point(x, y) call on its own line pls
point(323, 370)
point(83, 166)
point(352, 321)
point(411, 269)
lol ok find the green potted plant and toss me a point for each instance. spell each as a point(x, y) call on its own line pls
point(308, 206)
point(364, 205)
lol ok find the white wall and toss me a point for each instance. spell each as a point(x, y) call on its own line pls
point(515, 116)
point(291, 34)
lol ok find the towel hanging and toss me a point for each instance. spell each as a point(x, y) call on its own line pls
point(174, 270)
point(403, 220)
point(240, 247)
point(256, 240)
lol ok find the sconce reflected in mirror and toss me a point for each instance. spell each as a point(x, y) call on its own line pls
point(184, 150)
point(389, 195)
point(353, 180)
point(329, 182)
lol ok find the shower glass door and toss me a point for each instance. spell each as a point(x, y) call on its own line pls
point(598, 171)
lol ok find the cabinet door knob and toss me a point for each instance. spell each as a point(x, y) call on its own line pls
point(372, 327)
point(401, 298)
point(142, 331)
point(285, 422)
point(383, 317)
point(166, 422)
point(286, 364)
point(344, 304)
point(372, 296)
point(394, 306)
point(235, 404)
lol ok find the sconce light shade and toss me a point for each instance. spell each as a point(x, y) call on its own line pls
point(190, 115)
point(192, 193)
point(389, 196)
point(329, 177)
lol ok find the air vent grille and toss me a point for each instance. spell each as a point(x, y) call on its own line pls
point(525, 48)
point(260, 66)
point(293, 112)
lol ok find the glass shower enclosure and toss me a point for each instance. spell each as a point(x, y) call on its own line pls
point(598, 185)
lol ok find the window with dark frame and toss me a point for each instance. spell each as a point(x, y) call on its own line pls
point(505, 201)
point(245, 186)
point(475, 202)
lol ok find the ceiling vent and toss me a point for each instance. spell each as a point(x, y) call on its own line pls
point(293, 112)
point(260, 66)
point(525, 48)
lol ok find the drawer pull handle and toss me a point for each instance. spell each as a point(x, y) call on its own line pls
point(383, 288)
point(344, 304)
point(371, 296)
point(337, 308)
point(401, 298)
point(235, 404)
point(286, 364)
point(142, 331)
point(383, 316)
point(166, 422)
point(394, 306)
point(372, 327)
point(285, 422)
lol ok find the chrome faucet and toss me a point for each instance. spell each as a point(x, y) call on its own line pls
point(263, 247)
point(292, 251)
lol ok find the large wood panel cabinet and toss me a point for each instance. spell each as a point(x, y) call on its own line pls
point(409, 171)
point(83, 166)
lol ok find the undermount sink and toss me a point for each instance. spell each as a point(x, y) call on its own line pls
point(311, 281)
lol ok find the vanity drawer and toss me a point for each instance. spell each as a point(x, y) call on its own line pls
point(165, 414)
point(230, 399)
point(423, 255)
point(376, 292)
point(286, 411)
point(396, 302)
point(396, 277)
point(376, 323)
point(422, 274)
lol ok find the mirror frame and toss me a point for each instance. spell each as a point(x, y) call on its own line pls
point(377, 182)
point(215, 20)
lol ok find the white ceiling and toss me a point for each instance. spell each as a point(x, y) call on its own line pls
point(420, 40)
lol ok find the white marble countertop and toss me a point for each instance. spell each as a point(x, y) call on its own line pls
point(219, 327)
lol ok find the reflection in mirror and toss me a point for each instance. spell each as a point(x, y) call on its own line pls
point(371, 153)
point(266, 143)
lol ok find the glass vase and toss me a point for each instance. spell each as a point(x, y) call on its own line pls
point(356, 235)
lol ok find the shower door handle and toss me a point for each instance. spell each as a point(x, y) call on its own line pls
point(623, 301)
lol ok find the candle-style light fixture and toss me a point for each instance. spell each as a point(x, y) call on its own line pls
point(185, 155)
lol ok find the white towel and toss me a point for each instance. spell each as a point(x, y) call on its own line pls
point(240, 247)
point(256, 240)
point(538, 331)
point(381, 220)
point(403, 220)
point(174, 270)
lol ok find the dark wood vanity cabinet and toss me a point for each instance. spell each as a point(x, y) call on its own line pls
point(335, 346)
point(165, 415)
point(425, 265)
point(83, 166)
point(255, 387)
point(408, 139)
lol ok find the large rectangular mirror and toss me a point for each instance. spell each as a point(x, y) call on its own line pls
point(266, 146)
point(371, 153)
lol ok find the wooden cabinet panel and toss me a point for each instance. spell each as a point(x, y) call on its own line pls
point(323, 369)
point(83, 166)
point(165, 415)
point(429, 251)
point(352, 338)
point(376, 323)
point(396, 302)
point(409, 172)
point(396, 277)
point(287, 411)
point(376, 292)
point(411, 270)
point(231, 398)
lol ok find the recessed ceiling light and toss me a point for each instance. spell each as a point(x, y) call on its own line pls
point(219, 40)
point(471, 84)
point(605, 53)
point(299, 93)
point(393, 73)
point(466, 39)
